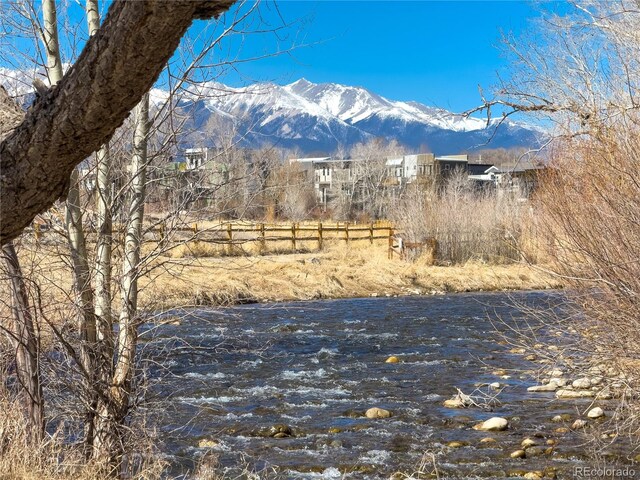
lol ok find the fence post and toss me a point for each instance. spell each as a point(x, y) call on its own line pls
point(371, 233)
point(390, 255)
point(163, 233)
point(263, 241)
point(37, 232)
point(346, 232)
point(230, 238)
point(293, 236)
point(319, 235)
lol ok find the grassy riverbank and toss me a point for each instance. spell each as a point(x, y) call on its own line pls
point(337, 272)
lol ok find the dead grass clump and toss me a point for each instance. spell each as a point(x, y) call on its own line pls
point(465, 223)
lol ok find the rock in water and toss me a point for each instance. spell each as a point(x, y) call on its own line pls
point(550, 387)
point(376, 412)
point(207, 443)
point(581, 383)
point(518, 454)
point(494, 424)
point(459, 401)
point(595, 412)
point(579, 423)
point(566, 393)
point(392, 359)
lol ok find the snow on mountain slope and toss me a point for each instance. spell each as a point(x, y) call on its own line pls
point(327, 116)
point(316, 117)
point(354, 104)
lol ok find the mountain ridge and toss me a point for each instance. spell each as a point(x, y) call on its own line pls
point(325, 117)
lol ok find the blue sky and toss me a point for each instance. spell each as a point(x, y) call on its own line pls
point(434, 52)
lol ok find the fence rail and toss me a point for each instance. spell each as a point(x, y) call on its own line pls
point(232, 234)
point(296, 234)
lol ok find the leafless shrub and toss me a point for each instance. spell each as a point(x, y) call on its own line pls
point(467, 223)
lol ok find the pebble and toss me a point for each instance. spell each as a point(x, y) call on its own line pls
point(567, 393)
point(494, 424)
point(579, 423)
point(456, 444)
point(561, 430)
point(335, 430)
point(581, 383)
point(535, 451)
point(527, 442)
point(534, 475)
point(376, 412)
point(531, 358)
point(595, 412)
point(550, 387)
point(517, 350)
point(518, 454)
point(392, 359)
point(459, 401)
point(207, 443)
point(565, 417)
point(488, 440)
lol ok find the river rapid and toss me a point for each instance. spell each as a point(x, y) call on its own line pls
point(228, 379)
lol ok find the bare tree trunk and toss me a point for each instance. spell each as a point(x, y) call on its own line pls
point(26, 345)
point(51, 43)
point(103, 367)
point(109, 437)
point(75, 235)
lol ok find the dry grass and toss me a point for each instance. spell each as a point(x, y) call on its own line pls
point(337, 272)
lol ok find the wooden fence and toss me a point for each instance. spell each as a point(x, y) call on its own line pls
point(295, 234)
point(235, 234)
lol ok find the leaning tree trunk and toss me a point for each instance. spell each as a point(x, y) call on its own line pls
point(75, 235)
point(72, 120)
point(23, 338)
point(110, 436)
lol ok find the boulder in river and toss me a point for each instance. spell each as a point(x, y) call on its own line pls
point(376, 412)
point(392, 359)
point(495, 424)
point(595, 412)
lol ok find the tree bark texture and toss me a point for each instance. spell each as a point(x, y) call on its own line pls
point(23, 338)
point(79, 114)
point(112, 416)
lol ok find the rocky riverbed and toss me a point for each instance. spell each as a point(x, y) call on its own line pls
point(367, 388)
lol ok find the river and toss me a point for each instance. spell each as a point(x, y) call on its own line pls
point(313, 368)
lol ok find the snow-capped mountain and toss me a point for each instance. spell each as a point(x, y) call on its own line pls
point(327, 116)
point(315, 118)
